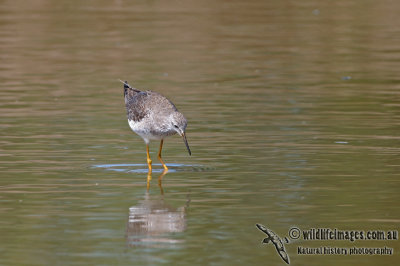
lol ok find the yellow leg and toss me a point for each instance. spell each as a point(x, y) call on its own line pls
point(148, 158)
point(159, 156)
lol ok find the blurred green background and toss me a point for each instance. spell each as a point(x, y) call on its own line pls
point(293, 110)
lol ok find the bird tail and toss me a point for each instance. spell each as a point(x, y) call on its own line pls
point(129, 92)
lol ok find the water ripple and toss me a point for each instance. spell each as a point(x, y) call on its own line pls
point(142, 168)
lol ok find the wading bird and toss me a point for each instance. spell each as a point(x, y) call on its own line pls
point(153, 117)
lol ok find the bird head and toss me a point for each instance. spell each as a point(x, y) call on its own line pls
point(179, 123)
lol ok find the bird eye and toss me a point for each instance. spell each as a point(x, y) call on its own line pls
point(175, 126)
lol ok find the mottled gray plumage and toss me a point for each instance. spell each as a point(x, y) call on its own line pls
point(152, 116)
point(140, 103)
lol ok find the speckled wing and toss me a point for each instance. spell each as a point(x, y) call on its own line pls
point(135, 102)
point(136, 107)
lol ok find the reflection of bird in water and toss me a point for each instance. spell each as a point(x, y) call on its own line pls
point(153, 117)
point(276, 240)
point(152, 221)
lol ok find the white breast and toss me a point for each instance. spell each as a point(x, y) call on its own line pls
point(141, 128)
